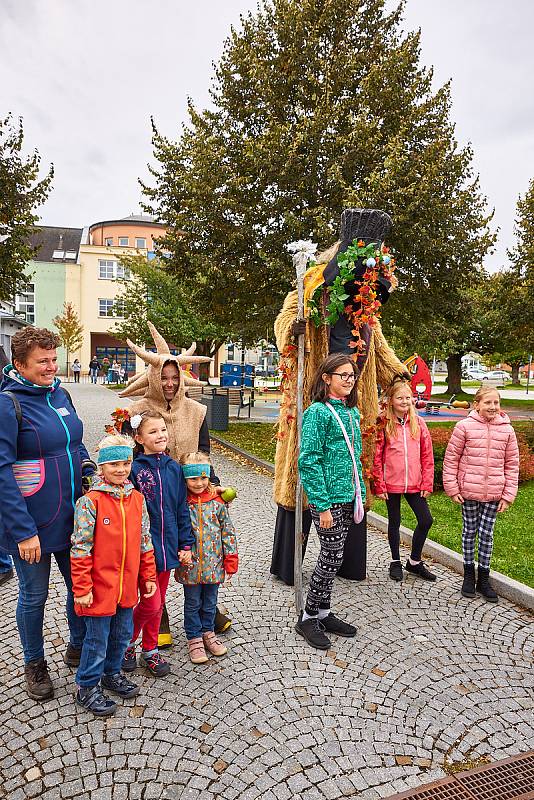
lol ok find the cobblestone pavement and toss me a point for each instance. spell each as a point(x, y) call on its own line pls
point(431, 679)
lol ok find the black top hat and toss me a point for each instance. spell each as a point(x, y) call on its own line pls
point(371, 226)
point(368, 224)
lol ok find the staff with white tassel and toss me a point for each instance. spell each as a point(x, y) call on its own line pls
point(303, 252)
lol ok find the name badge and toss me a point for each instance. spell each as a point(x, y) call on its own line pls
point(63, 411)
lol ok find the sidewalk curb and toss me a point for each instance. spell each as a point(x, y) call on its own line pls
point(259, 462)
point(506, 587)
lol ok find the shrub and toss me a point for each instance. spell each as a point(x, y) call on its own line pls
point(525, 439)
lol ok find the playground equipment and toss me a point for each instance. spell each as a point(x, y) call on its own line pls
point(421, 384)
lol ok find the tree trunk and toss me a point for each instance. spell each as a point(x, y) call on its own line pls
point(454, 373)
point(515, 371)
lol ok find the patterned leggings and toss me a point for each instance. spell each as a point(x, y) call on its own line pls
point(332, 541)
point(479, 517)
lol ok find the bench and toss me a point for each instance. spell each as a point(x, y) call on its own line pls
point(242, 398)
point(194, 392)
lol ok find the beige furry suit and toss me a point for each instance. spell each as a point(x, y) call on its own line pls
point(380, 367)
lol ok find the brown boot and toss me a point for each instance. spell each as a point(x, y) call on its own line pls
point(38, 683)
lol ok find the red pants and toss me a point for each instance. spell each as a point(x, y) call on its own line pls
point(147, 613)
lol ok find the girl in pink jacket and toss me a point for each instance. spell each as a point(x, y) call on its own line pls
point(404, 465)
point(481, 471)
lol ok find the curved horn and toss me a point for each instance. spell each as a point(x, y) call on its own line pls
point(136, 388)
point(188, 381)
point(185, 359)
point(190, 350)
point(148, 358)
point(159, 341)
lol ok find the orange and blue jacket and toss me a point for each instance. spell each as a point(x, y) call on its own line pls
point(111, 553)
point(215, 549)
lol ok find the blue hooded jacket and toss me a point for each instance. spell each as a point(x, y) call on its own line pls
point(40, 464)
point(162, 483)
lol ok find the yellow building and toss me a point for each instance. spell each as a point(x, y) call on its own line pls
point(91, 284)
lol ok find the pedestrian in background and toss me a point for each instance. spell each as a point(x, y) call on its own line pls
point(94, 367)
point(76, 369)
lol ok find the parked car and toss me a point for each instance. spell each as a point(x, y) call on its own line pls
point(497, 375)
point(473, 374)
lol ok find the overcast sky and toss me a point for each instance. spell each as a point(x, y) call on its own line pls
point(87, 75)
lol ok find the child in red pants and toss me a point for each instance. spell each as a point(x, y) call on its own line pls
point(160, 479)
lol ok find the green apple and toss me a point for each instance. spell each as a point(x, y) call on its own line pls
point(229, 494)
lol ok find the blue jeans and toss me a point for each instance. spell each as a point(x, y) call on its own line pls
point(33, 593)
point(104, 646)
point(94, 375)
point(5, 562)
point(200, 605)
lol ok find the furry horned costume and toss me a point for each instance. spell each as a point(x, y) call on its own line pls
point(184, 417)
point(362, 232)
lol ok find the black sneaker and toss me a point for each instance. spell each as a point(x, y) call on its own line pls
point(313, 632)
point(222, 622)
point(395, 571)
point(38, 683)
point(129, 662)
point(119, 684)
point(332, 624)
point(155, 664)
point(92, 699)
point(421, 571)
point(71, 656)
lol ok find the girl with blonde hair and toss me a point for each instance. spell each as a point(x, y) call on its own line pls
point(404, 465)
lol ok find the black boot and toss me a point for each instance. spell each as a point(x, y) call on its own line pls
point(38, 683)
point(484, 586)
point(468, 586)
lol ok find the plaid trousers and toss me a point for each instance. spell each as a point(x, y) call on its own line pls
point(479, 517)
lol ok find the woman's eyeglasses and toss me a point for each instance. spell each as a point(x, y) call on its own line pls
point(346, 377)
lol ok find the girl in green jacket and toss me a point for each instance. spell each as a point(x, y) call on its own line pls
point(331, 474)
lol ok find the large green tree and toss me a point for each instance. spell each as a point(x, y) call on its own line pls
point(318, 105)
point(21, 194)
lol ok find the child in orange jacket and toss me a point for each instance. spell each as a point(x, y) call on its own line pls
point(112, 559)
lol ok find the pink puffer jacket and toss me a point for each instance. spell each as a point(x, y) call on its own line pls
point(482, 459)
point(404, 465)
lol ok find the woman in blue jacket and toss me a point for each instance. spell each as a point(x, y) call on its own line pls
point(41, 455)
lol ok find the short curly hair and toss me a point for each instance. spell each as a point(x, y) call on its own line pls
point(25, 340)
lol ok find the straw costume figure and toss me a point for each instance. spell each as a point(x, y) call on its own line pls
point(343, 293)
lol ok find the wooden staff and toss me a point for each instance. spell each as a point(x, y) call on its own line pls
point(302, 252)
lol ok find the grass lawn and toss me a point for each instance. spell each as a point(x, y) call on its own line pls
point(524, 405)
point(514, 531)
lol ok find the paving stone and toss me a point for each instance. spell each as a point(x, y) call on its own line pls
point(429, 676)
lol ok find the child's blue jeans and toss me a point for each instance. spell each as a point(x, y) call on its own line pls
point(200, 605)
point(104, 646)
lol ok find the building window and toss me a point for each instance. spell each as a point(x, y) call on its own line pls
point(140, 244)
point(110, 308)
point(106, 269)
point(108, 241)
point(105, 308)
point(124, 241)
point(123, 272)
point(25, 303)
